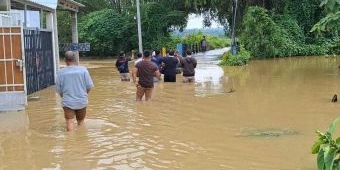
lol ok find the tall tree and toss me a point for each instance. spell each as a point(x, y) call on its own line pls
point(331, 20)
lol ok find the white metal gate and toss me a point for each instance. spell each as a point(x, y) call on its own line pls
point(12, 69)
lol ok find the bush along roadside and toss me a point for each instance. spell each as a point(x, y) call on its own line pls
point(328, 149)
point(242, 58)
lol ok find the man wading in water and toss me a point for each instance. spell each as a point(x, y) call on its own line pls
point(73, 85)
point(146, 71)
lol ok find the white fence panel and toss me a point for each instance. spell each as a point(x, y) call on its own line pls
point(10, 19)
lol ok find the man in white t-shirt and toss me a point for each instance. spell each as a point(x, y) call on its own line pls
point(139, 58)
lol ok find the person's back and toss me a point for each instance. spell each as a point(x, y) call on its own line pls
point(72, 83)
point(188, 64)
point(157, 58)
point(170, 65)
point(122, 65)
point(146, 70)
point(139, 58)
point(204, 44)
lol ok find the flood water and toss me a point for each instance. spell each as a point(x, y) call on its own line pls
point(266, 122)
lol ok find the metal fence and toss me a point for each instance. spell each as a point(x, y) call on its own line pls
point(39, 59)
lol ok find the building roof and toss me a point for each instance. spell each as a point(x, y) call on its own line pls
point(19, 4)
point(52, 4)
point(69, 5)
point(48, 3)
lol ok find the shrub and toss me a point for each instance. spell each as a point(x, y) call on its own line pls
point(242, 58)
point(328, 149)
point(267, 36)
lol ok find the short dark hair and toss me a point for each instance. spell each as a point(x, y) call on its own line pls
point(139, 55)
point(188, 52)
point(146, 53)
point(157, 52)
point(121, 54)
point(172, 52)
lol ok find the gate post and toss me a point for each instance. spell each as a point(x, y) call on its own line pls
point(75, 32)
point(51, 23)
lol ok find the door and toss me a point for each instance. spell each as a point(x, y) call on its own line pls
point(39, 60)
point(12, 70)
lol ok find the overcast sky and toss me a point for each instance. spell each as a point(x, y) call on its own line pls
point(197, 22)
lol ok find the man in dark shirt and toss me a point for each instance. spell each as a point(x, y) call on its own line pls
point(122, 64)
point(170, 64)
point(146, 70)
point(188, 64)
point(157, 58)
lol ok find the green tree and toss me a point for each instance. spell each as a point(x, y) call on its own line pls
point(158, 22)
point(105, 30)
point(331, 20)
point(64, 27)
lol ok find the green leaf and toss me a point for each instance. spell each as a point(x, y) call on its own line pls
point(323, 3)
point(331, 128)
point(316, 146)
point(329, 158)
point(320, 160)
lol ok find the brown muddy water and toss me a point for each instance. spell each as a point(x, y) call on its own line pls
point(268, 122)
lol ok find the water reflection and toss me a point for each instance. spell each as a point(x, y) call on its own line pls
point(210, 78)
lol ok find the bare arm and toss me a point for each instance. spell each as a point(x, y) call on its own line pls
point(157, 73)
point(134, 75)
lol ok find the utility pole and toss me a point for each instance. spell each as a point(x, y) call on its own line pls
point(140, 45)
point(234, 43)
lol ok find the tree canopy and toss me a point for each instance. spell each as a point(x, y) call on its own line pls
point(290, 25)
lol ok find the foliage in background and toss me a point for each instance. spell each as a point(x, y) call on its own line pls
point(262, 36)
point(112, 27)
point(306, 14)
point(289, 28)
point(105, 31)
point(327, 148)
point(158, 21)
point(64, 27)
point(331, 20)
point(195, 38)
point(300, 15)
point(268, 36)
point(242, 58)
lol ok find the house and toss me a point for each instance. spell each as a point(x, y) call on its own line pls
point(29, 51)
